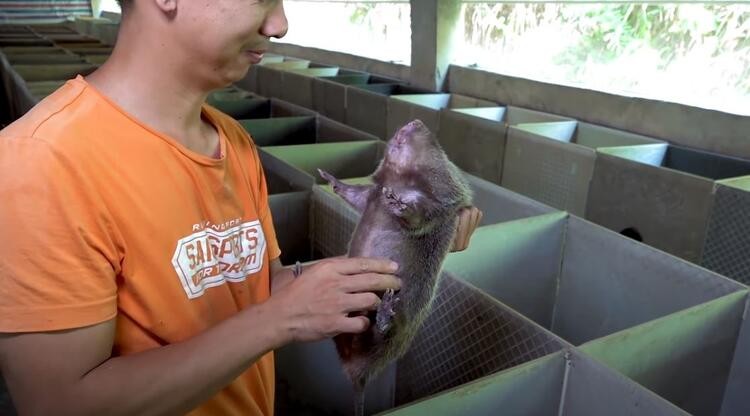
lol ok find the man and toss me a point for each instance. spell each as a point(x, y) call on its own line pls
point(140, 274)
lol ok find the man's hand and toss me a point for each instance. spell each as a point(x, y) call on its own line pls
point(468, 220)
point(316, 304)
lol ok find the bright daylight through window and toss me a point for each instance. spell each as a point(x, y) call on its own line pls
point(109, 6)
point(695, 53)
point(374, 29)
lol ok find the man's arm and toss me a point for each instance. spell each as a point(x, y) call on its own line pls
point(280, 275)
point(71, 372)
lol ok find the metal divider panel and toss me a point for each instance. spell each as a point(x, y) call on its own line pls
point(20, 98)
point(727, 247)
point(290, 212)
point(499, 204)
point(705, 164)
point(684, 357)
point(332, 222)
point(248, 108)
point(341, 159)
point(610, 282)
point(52, 72)
point(518, 115)
point(281, 131)
point(668, 208)
point(596, 136)
point(517, 263)
point(330, 130)
point(533, 388)
point(736, 401)
point(594, 390)
point(467, 335)
point(562, 131)
point(297, 88)
point(6, 405)
point(283, 177)
point(555, 173)
point(473, 143)
point(281, 108)
point(400, 112)
point(329, 99)
point(486, 113)
point(563, 383)
point(367, 110)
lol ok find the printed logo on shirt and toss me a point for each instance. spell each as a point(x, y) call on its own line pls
point(210, 257)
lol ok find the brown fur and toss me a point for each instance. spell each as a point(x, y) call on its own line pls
point(409, 215)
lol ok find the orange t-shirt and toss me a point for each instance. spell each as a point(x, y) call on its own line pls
point(106, 218)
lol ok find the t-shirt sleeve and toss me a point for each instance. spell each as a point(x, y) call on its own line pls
point(264, 210)
point(58, 259)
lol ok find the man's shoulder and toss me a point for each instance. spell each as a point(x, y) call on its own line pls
point(55, 108)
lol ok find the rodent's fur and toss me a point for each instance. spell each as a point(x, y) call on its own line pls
point(409, 215)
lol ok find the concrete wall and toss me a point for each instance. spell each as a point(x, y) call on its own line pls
point(343, 60)
point(705, 129)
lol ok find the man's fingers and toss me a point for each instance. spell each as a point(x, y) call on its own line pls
point(361, 302)
point(476, 216)
point(370, 282)
point(458, 237)
point(357, 265)
point(468, 228)
point(476, 219)
point(354, 324)
point(468, 221)
point(464, 221)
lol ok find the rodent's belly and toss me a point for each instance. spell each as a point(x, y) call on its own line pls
point(379, 244)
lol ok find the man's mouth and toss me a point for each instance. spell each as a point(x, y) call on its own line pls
point(255, 56)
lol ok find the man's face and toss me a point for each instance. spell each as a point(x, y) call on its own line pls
point(224, 37)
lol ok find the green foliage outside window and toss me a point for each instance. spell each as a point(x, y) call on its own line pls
point(693, 53)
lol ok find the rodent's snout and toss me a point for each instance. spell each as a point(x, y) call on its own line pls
point(408, 130)
point(408, 136)
point(416, 124)
point(413, 126)
point(418, 128)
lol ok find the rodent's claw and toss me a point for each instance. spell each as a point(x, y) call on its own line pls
point(297, 270)
point(385, 313)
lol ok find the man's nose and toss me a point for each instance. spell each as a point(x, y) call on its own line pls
point(276, 24)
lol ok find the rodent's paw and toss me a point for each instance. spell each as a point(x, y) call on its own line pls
point(385, 313)
point(396, 204)
point(329, 178)
point(388, 192)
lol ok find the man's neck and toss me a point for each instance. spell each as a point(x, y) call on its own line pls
point(149, 87)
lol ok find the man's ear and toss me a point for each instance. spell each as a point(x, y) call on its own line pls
point(168, 7)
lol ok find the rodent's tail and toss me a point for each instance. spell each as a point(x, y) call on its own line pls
point(359, 402)
point(356, 369)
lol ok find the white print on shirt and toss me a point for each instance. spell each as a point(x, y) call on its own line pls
point(216, 227)
point(208, 257)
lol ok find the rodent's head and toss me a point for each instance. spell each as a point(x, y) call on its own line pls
point(413, 144)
